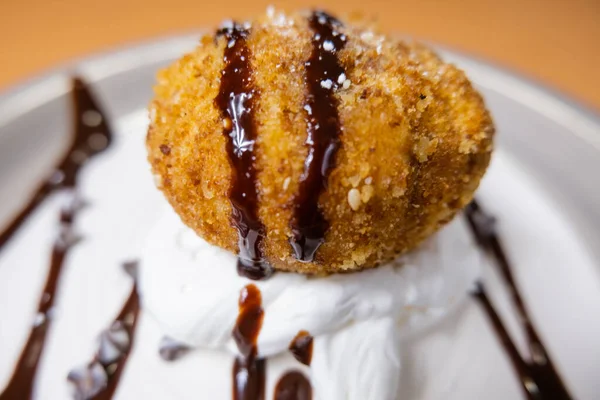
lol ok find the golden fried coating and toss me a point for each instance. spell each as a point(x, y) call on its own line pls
point(416, 140)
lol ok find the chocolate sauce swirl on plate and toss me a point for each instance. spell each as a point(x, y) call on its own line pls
point(237, 101)
point(324, 75)
point(539, 378)
point(92, 136)
point(293, 386)
point(99, 379)
point(302, 347)
point(21, 384)
point(249, 371)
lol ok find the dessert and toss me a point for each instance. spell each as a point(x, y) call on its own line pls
point(314, 146)
point(341, 332)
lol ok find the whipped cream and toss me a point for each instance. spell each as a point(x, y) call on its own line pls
point(192, 288)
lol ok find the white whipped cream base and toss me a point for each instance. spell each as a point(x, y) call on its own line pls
point(192, 288)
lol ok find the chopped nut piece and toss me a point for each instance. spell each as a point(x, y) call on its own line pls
point(354, 199)
point(354, 180)
point(366, 193)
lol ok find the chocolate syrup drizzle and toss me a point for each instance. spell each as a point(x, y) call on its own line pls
point(237, 101)
point(99, 379)
point(89, 140)
point(293, 386)
point(539, 378)
point(92, 136)
point(302, 347)
point(323, 78)
point(249, 371)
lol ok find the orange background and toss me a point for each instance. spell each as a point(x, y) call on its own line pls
point(553, 41)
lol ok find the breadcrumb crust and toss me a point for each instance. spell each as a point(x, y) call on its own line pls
point(416, 141)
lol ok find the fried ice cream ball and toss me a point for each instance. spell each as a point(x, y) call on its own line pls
point(407, 136)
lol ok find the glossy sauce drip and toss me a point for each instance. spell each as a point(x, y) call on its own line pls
point(237, 101)
point(293, 386)
point(89, 140)
point(538, 376)
point(92, 136)
point(249, 372)
point(324, 75)
point(100, 378)
point(302, 347)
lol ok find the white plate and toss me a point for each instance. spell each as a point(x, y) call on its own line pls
point(543, 185)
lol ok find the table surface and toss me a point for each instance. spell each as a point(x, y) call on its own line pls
point(556, 42)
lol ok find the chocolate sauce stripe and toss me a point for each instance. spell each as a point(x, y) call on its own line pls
point(124, 325)
point(13, 226)
point(514, 356)
point(539, 377)
point(131, 308)
point(496, 248)
point(249, 371)
point(21, 382)
point(323, 77)
point(91, 136)
point(237, 101)
point(301, 347)
point(293, 386)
